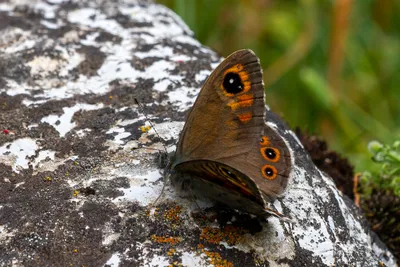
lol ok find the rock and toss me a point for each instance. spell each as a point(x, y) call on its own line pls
point(79, 172)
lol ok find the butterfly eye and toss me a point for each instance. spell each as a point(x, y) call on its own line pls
point(270, 153)
point(233, 83)
point(269, 172)
point(264, 141)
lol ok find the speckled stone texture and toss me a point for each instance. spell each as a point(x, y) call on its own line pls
point(79, 173)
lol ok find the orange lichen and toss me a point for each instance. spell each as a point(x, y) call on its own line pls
point(166, 239)
point(216, 259)
point(171, 252)
point(229, 234)
point(173, 214)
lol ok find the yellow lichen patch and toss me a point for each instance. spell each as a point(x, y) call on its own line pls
point(229, 234)
point(173, 214)
point(171, 252)
point(259, 262)
point(76, 193)
point(166, 239)
point(175, 264)
point(145, 128)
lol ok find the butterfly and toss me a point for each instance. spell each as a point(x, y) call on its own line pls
point(226, 150)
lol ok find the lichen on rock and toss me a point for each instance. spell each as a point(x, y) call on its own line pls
point(80, 173)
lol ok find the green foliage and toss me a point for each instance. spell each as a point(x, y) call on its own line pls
point(387, 177)
point(332, 69)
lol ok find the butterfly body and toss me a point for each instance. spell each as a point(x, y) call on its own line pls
point(226, 151)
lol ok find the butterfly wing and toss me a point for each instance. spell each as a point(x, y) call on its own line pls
point(225, 134)
point(228, 113)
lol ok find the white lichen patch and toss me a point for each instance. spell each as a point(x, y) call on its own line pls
point(5, 234)
point(157, 261)
point(63, 123)
point(117, 62)
point(141, 189)
point(17, 152)
point(43, 65)
point(119, 134)
point(114, 260)
point(167, 130)
point(202, 76)
point(183, 97)
point(191, 259)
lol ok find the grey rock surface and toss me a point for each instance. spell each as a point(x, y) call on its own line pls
point(79, 170)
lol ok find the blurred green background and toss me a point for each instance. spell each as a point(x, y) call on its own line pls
point(330, 67)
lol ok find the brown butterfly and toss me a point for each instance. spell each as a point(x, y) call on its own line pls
point(226, 151)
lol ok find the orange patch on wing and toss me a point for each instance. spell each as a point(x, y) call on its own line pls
point(269, 168)
point(277, 153)
point(264, 141)
point(242, 101)
point(244, 77)
point(236, 68)
point(245, 117)
point(245, 80)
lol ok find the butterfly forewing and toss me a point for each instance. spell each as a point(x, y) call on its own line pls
point(228, 112)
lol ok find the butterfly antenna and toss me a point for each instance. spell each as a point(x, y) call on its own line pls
point(151, 124)
point(165, 175)
point(195, 202)
point(279, 215)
